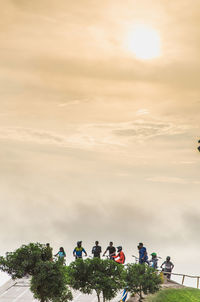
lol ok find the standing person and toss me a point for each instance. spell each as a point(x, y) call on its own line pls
point(143, 257)
point(96, 250)
point(111, 249)
point(49, 252)
point(61, 254)
point(154, 261)
point(168, 267)
point(120, 256)
point(79, 250)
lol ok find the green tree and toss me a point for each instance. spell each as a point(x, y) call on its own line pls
point(49, 282)
point(24, 260)
point(141, 278)
point(48, 278)
point(105, 277)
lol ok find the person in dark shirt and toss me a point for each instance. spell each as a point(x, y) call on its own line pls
point(49, 252)
point(111, 249)
point(96, 250)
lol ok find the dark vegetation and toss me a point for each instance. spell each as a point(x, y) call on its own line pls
point(51, 280)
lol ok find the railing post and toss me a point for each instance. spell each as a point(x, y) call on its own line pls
point(183, 279)
point(198, 282)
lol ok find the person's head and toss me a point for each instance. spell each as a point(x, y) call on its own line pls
point(119, 248)
point(140, 245)
point(96, 243)
point(168, 258)
point(47, 245)
point(111, 243)
point(61, 249)
point(154, 255)
point(79, 243)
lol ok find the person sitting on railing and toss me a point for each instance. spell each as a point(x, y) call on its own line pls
point(168, 267)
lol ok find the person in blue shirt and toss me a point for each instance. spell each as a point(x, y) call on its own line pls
point(143, 257)
point(61, 254)
point(79, 250)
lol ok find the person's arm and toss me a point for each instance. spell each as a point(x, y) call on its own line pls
point(93, 250)
point(74, 252)
point(56, 255)
point(105, 251)
point(162, 265)
point(115, 256)
point(145, 254)
point(85, 252)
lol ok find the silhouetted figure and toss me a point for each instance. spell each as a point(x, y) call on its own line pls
point(111, 249)
point(49, 252)
point(96, 250)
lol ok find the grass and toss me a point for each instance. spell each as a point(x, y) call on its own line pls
point(176, 295)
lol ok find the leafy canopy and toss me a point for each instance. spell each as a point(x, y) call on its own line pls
point(141, 278)
point(24, 260)
point(49, 282)
point(105, 277)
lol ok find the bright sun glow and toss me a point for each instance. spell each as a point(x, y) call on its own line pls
point(144, 42)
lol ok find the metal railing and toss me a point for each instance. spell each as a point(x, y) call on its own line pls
point(183, 276)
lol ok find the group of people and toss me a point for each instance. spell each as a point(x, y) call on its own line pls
point(113, 253)
point(167, 266)
point(118, 255)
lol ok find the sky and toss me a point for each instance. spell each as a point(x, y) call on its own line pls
point(98, 143)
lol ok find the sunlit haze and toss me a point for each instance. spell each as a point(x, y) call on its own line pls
point(144, 42)
point(99, 126)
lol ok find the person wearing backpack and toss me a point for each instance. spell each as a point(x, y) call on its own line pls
point(79, 250)
point(154, 261)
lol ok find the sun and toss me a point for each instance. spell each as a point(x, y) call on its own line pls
point(144, 42)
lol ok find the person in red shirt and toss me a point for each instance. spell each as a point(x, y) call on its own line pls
point(120, 257)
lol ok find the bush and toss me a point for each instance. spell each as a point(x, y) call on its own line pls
point(141, 278)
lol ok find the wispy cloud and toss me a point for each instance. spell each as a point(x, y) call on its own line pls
point(172, 180)
point(166, 179)
point(96, 135)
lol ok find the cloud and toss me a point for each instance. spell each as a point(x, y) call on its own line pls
point(173, 180)
point(114, 136)
point(145, 129)
point(166, 179)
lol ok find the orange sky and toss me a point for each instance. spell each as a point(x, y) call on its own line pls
point(95, 142)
